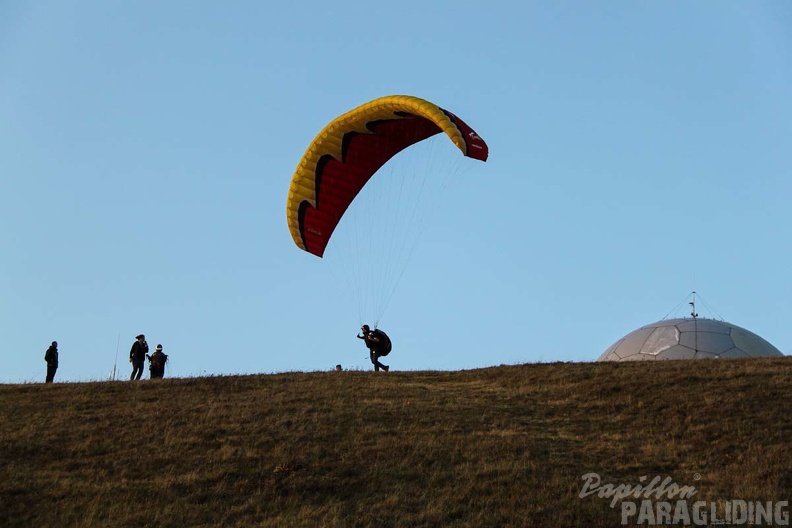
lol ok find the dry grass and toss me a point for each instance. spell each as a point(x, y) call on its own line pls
point(500, 447)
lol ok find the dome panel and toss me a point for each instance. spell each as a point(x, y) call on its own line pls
point(706, 355)
point(704, 325)
point(612, 349)
point(638, 357)
point(609, 356)
point(752, 344)
point(735, 353)
point(660, 339)
point(630, 343)
point(709, 342)
point(677, 352)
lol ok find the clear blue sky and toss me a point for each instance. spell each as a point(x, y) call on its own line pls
point(638, 151)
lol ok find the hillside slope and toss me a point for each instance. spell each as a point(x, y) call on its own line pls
point(504, 446)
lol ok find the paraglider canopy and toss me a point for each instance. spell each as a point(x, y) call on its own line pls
point(351, 148)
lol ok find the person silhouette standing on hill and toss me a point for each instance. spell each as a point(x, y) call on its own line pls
point(137, 356)
point(157, 362)
point(51, 357)
point(379, 345)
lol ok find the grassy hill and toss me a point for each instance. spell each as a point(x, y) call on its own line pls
point(501, 447)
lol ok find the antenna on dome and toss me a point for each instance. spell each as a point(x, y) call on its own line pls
point(693, 306)
point(695, 325)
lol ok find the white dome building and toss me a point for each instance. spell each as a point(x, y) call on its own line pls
point(689, 338)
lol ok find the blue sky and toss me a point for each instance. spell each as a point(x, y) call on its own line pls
point(638, 151)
